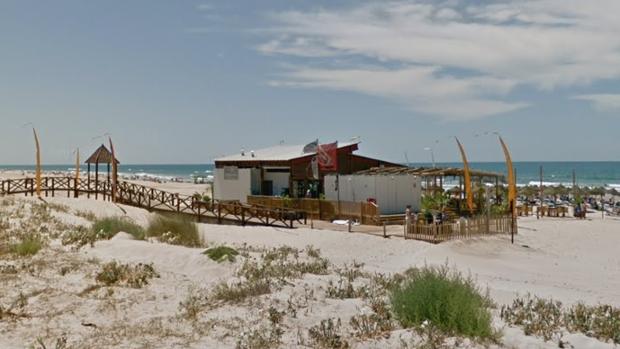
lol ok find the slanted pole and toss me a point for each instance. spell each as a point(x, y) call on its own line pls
point(96, 180)
point(88, 182)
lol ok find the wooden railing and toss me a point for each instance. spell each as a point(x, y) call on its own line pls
point(137, 195)
point(463, 228)
point(365, 213)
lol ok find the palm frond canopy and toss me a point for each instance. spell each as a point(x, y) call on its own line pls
point(101, 156)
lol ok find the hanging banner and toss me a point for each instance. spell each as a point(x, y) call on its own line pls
point(327, 156)
point(466, 178)
point(512, 185)
point(114, 171)
point(314, 164)
point(38, 167)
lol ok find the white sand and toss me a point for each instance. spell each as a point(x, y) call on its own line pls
point(568, 260)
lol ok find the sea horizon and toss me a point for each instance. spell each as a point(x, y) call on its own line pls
point(587, 173)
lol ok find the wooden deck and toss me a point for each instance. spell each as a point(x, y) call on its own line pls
point(221, 212)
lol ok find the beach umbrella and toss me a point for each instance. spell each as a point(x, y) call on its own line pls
point(466, 178)
point(38, 166)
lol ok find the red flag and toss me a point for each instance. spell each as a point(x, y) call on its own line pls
point(328, 157)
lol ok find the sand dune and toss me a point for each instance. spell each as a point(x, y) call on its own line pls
point(568, 260)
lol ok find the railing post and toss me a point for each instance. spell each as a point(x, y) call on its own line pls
point(243, 216)
point(219, 213)
point(178, 202)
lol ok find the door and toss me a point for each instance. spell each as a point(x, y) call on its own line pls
point(267, 188)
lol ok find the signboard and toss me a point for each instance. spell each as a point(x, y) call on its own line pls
point(327, 156)
point(231, 173)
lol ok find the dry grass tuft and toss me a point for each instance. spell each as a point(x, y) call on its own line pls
point(137, 276)
point(326, 335)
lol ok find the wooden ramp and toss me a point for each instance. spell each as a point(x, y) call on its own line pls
point(221, 212)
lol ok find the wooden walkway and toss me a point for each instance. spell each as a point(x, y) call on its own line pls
point(152, 199)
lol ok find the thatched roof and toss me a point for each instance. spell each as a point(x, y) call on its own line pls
point(101, 156)
point(427, 172)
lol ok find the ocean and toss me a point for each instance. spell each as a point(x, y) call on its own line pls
point(602, 173)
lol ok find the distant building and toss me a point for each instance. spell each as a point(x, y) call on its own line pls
point(284, 170)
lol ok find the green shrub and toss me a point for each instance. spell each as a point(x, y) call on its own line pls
point(110, 226)
point(221, 253)
point(29, 246)
point(449, 301)
point(176, 230)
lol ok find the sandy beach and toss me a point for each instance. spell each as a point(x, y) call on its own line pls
point(568, 260)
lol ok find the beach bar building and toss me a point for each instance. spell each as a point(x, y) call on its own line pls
point(284, 170)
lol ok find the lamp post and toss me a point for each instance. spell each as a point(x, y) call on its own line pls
point(432, 155)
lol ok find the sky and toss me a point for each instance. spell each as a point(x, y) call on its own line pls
point(187, 81)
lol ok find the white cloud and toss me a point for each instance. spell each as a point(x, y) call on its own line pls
point(419, 87)
point(204, 7)
point(602, 102)
point(543, 44)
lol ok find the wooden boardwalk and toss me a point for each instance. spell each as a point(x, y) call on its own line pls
point(127, 193)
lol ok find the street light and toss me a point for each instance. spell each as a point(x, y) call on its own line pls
point(432, 154)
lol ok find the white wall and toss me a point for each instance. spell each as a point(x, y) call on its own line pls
point(279, 179)
point(393, 193)
point(231, 189)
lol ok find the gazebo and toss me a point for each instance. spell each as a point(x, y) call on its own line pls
point(101, 156)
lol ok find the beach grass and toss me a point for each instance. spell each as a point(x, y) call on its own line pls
point(111, 226)
point(175, 230)
point(444, 299)
point(29, 246)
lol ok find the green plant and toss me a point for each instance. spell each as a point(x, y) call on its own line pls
point(451, 302)
point(222, 253)
point(176, 230)
point(137, 276)
point(29, 246)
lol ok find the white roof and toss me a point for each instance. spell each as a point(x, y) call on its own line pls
point(281, 152)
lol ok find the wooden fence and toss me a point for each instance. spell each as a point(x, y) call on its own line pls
point(365, 213)
point(154, 199)
point(463, 228)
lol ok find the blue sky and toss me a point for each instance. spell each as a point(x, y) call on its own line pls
point(187, 81)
